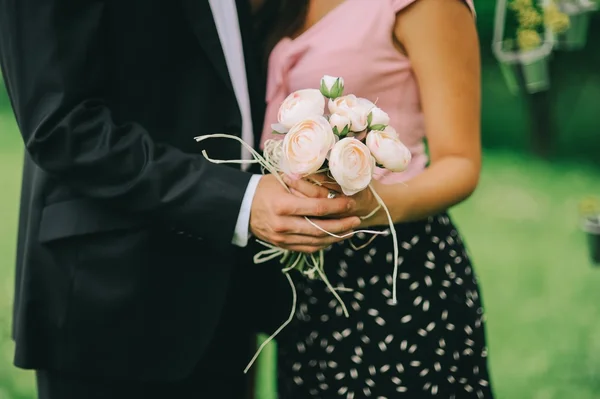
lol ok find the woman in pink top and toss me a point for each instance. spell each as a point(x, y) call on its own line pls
point(419, 60)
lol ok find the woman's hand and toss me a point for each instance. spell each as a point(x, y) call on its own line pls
point(368, 208)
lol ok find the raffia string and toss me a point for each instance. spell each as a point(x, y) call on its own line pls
point(395, 243)
point(281, 327)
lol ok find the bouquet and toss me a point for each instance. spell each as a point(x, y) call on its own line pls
point(344, 146)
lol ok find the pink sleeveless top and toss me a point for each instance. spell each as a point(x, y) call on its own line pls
point(354, 41)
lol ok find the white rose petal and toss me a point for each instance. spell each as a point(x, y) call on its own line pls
point(340, 123)
point(379, 118)
point(306, 146)
point(351, 165)
point(298, 106)
point(329, 81)
point(354, 108)
point(388, 150)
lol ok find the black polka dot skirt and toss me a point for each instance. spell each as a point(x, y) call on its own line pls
point(430, 344)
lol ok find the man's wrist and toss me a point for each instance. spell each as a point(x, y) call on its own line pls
point(241, 234)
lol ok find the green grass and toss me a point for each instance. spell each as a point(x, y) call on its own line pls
point(14, 384)
point(541, 293)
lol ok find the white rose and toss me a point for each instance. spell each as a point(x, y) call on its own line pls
point(388, 150)
point(340, 124)
point(354, 108)
point(297, 106)
point(351, 165)
point(379, 119)
point(332, 86)
point(306, 146)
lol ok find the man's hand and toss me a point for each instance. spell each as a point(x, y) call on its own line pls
point(277, 216)
point(364, 202)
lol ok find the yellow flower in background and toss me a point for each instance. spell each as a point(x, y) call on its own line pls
point(521, 4)
point(529, 18)
point(555, 19)
point(589, 206)
point(528, 39)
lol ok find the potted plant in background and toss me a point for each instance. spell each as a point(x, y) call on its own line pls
point(578, 11)
point(524, 33)
point(590, 224)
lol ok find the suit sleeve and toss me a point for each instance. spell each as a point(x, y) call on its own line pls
point(52, 58)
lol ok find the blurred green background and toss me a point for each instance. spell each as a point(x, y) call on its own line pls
point(541, 292)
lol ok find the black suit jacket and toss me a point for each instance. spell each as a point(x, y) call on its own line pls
point(124, 249)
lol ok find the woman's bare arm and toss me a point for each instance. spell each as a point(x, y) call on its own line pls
point(440, 38)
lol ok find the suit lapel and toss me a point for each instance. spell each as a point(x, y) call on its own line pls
point(200, 18)
point(256, 83)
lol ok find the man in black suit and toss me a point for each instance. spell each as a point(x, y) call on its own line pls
point(127, 284)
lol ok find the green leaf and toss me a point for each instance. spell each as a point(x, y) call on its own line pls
point(378, 127)
point(337, 90)
point(324, 90)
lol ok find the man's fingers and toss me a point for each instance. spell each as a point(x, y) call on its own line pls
point(319, 207)
point(297, 234)
point(291, 240)
point(315, 227)
point(321, 179)
point(298, 193)
point(337, 226)
point(309, 244)
point(306, 188)
point(294, 241)
point(326, 182)
point(305, 249)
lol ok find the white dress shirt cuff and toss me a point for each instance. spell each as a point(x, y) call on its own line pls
point(242, 227)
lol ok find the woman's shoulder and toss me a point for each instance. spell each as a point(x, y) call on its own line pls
point(399, 5)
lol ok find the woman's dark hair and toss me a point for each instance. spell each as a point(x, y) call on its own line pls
point(277, 19)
